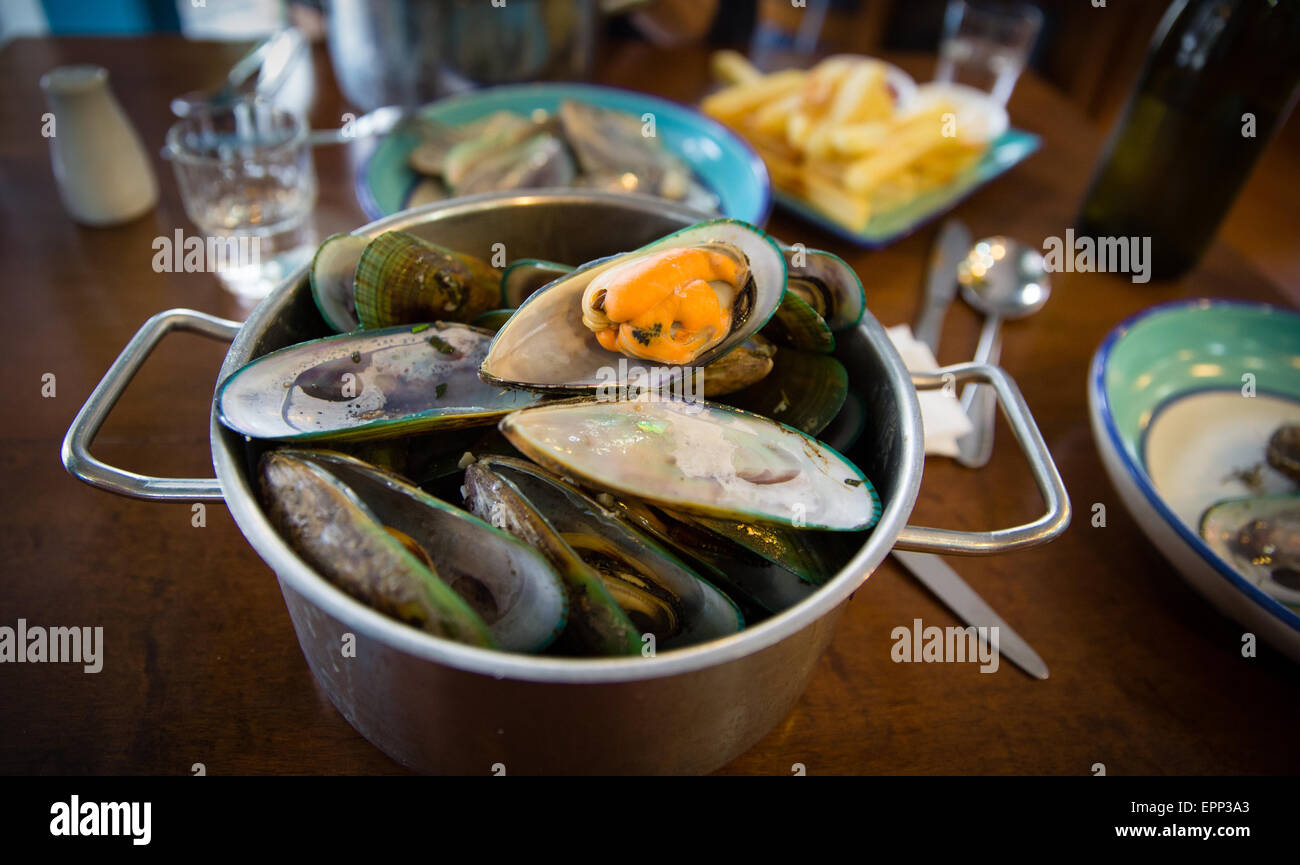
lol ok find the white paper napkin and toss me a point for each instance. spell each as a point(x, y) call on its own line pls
point(942, 418)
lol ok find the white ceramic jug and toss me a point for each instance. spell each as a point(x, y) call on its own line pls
point(101, 167)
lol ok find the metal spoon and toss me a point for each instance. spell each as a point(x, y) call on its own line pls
point(270, 61)
point(380, 121)
point(1004, 279)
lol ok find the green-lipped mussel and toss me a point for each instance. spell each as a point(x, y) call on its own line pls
point(525, 276)
point(1260, 538)
point(368, 384)
point(410, 555)
point(682, 301)
point(656, 590)
point(805, 391)
point(826, 283)
point(700, 458)
point(333, 270)
point(597, 624)
point(402, 279)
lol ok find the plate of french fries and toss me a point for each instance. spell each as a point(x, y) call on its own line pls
point(854, 144)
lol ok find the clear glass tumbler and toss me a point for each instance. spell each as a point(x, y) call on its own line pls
point(247, 181)
point(986, 45)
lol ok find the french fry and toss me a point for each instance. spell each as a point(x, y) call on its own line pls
point(741, 99)
point(857, 139)
point(903, 147)
point(731, 67)
point(859, 97)
point(828, 195)
point(833, 136)
point(797, 129)
point(823, 79)
point(943, 165)
point(820, 144)
point(772, 118)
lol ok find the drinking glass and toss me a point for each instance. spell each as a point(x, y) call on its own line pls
point(247, 181)
point(987, 45)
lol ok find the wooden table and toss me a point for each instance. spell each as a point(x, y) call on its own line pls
point(201, 665)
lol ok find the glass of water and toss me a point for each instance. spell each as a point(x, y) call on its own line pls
point(986, 45)
point(247, 182)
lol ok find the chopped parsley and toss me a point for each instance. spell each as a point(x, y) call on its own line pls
point(442, 345)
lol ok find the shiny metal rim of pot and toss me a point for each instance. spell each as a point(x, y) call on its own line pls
point(279, 320)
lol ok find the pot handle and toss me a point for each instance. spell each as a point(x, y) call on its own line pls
point(1050, 486)
point(76, 444)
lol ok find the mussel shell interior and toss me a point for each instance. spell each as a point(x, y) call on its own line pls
point(1260, 538)
point(328, 525)
point(760, 587)
point(700, 458)
point(546, 346)
point(525, 276)
point(657, 590)
point(368, 384)
point(506, 582)
point(333, 268)
point(833, 279)
point(597, 624)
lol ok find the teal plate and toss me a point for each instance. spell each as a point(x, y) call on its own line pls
point(1009, 149)
point(719, 159)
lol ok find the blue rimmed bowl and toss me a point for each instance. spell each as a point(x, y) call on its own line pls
point(720, 159)
point(1183, 397)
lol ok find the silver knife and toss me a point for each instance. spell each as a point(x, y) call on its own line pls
point(941, 281)
point(948, 586)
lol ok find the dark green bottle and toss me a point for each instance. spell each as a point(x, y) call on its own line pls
point(1220, 78)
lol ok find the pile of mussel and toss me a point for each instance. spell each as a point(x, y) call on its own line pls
point(579, 145)
point(610, 459)
point(1259, 535)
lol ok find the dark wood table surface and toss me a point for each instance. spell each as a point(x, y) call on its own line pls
point(201, 665)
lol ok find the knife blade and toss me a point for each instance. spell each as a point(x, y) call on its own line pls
point(948, 586)
point(941, 280)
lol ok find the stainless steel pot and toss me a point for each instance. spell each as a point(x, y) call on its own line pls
point(439, 706)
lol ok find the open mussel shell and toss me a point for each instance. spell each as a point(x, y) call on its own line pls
point(422, 458)
point(744, 365)
point(437, 139)
point(659, 593)
point(546, 345)
point(798, 325)
point(597, 624)
point(401, 279)
point(700, 458)
point(429, 190)
point(368, 384)
point(761, 587)
point(541, 160)
point(848, 426)
point(825, 282)
point(482, 146)
point(524, 277)
point(1260, 538)
point(795, 550)
point(1283, 451)
point(613, 143)
point(803, 390)
point(329, 526)
point(493, 320)
point(507, 583)
point(333, 269)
